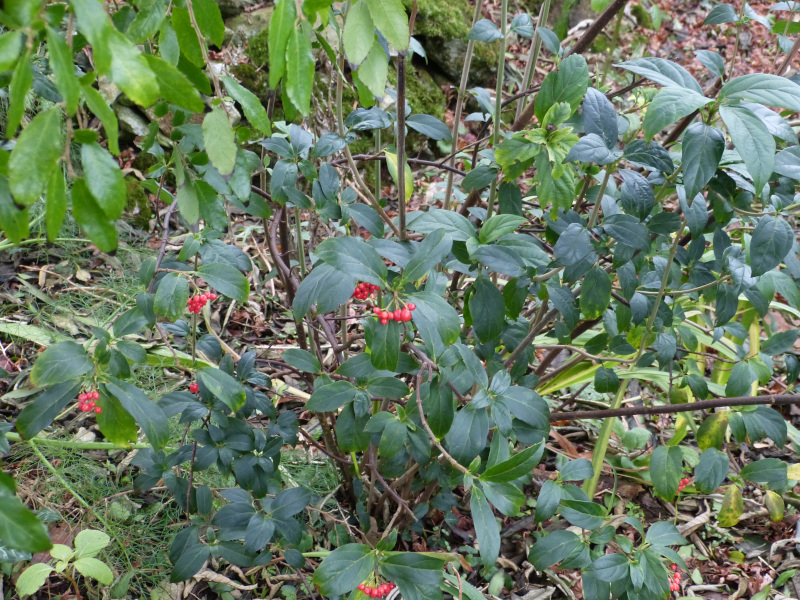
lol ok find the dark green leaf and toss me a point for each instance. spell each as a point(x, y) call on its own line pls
point(299, 70)
point(517, 466)
point(94, 222)
point(226, 281)
point(223, 386)
point(771, 242)
point(171, 296)
point(711, 471)
point(553, 548)
point(662, 71)
point(46, 407)
point(666, 468)
point(487, 308)
point(301, 360)
point(701, 153)
point(428, 254)
point(354, 257)
point(19, 527)
point(763, 88)
point(753, 142)
point(664, 533)
point(669, 105)
point(568, 84)
point(486, 528)
point(59, 361)
point(344, 568)
point(599, 117)
point(383, 342)
point(429, 126)
point(147, 414)
point(485, 31)
point(35, 156)
point(331, 397)
point(595, 293)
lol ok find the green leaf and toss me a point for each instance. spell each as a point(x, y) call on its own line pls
point(418, 576)
point(390, 18)
point(91, 218)
point(767, 470)
point(664, 533)
point(187, 554)
point(326, 286)
point(780, 342)
point(455, 226)
point(104, 178)
point(433, 249)
point(187, 36)
point(437, 402)
point(359, 33)
point(281, 26)
point(147, 414)
point(595, 293)
point(485, 31)
point(46, 407)
point(486, 528)
point(662, 71)
point(732, 507)
point(219, 141)
point(467, 436)
point(771, 90)
point(711, 471)
point(223, 386)
point(568, 84)
point(610, 567)
point(226, 281)
point(254, 111)
point(701, 153)
point(354, 257)
point(115, 423)
point(499, 225)
point(669, 105)
point(771, 242)
point(724, 13)
point(129, 70)
point(430, 126)
point(89, 543)
point(173, 85)
point(209, 20)
point(583, 514)
point(19, 527)
point(33, 578)
point(753, 142)
point(711, 433)
point(547, 502)
point(299, 70)
point(57, 361)
point(302, 360)
point(606, 380)
point(13, 218)
point(10, 49)
point(437, 322)
point(149, 17)
point(35, 156)
point(96, 569)
point(344, 568)
point(374, 70)
point(666, 468)
point(517, 466)
point(171, 296)
point(740, 380)
point(600, 118)
point(63, 70)
point(97, 104)
point(18, 90)
point(487, 307)
point(331, 397)
point(553, 548)
point(56, 207)
point(383, 342)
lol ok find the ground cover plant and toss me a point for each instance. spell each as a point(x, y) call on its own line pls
point(366, 352)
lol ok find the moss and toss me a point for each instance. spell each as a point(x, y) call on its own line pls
point(254, 79)
point(447, 19)
point(258, 50)
point(137, 204)
point(422, 93)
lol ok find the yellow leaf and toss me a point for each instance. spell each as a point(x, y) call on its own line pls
point(391, 163)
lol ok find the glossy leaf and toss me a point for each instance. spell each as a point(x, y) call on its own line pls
point(35, 156)
point(226, 281)
point(701, 153)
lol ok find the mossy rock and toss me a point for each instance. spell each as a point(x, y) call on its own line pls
point(254, 79)
point(137, 204)
point(245, 26)
point(422, 93)
point(442, 27)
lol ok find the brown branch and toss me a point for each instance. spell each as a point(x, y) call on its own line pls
point(582, 45)
point(632, 411)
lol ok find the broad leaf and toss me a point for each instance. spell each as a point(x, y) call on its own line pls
point(701, 153)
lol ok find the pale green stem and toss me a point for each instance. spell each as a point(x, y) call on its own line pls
point(498, 104)
point(533, 57)
point(604, 435)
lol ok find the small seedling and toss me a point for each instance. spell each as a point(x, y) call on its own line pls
point(69, 563)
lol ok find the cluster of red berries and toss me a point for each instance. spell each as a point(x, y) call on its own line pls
point(196, 303)
point(86, 402)
point(193, 387)
point(377, 592)
point(364, 291)
point(684, 482)
point(400, 315)
point(675, 581)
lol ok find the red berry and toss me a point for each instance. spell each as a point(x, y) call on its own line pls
point(193, 387)
point(674, 567)
point(405, 315)
point(81, 397)
point(377, 310)
point(384, 321)
point(398, 314)
point(411, 306)
point(85, 408)
point(367, 590)
point(213, 296)
point(98, 410)
point(361, 587)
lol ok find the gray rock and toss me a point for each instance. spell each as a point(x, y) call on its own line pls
point(231, 8)
point(241, 28)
